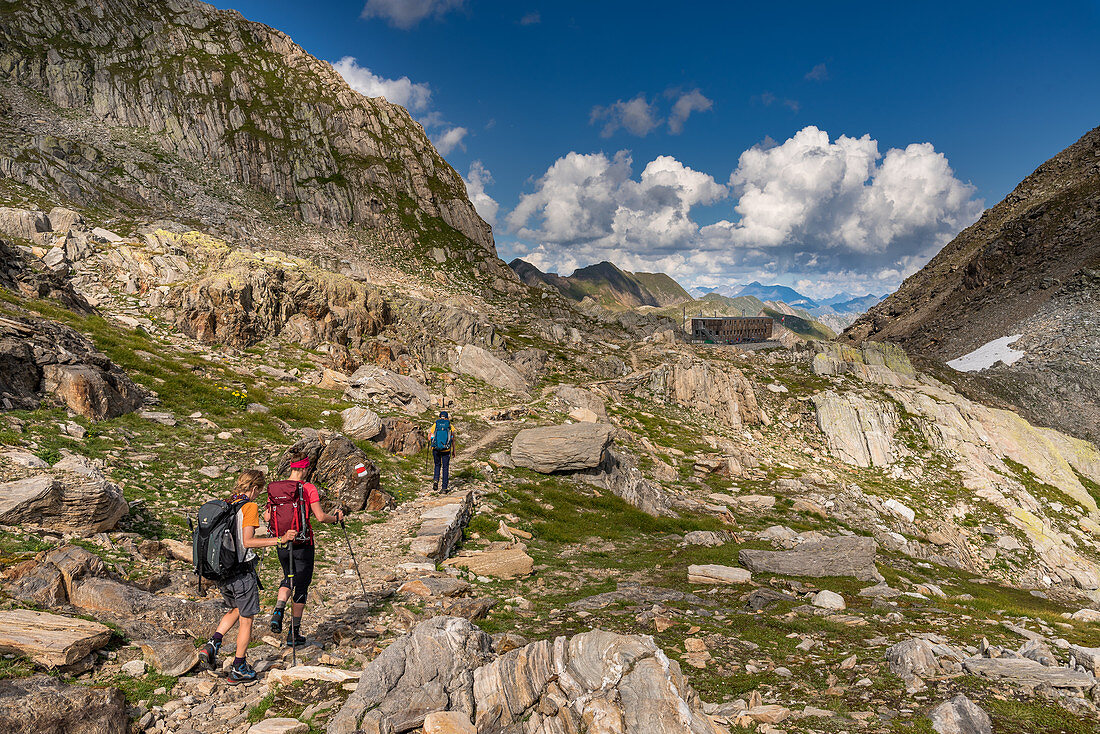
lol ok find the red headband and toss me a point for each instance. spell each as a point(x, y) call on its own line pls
point(303, 464)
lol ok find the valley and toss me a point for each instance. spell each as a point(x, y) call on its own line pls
point(640, 535)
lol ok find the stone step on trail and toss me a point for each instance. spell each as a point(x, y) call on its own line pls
point(441, 525)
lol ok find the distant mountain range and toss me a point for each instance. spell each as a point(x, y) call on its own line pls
point(607, 285)
point(612, 287)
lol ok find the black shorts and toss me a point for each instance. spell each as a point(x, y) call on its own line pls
point(303, 569)
point(242, 592)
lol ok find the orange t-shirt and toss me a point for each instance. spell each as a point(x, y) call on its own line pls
point(247, 517)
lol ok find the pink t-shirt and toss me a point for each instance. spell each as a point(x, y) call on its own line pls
point(311, 495)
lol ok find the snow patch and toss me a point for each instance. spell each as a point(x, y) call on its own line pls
point(987, 355)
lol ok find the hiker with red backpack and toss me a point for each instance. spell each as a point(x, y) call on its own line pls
point(290, 503)
point(443, 445)
point(222, 549)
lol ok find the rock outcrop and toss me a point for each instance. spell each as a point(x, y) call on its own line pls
point(402, 391)
point(595, 681)
point(244, 298)
point(39, 356)
point(565, 448)
point(723, 394)
point(70, 575)
point(50, 640)
point(476, 362)
point(430, 669)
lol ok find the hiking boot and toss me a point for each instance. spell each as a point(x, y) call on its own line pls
point(435, 486)
point(277, 621)
point(242, 673)
point(294, 637)
point(208, 653)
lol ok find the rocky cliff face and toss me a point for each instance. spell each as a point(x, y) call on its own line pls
point(183, 79)
point(1028, 266)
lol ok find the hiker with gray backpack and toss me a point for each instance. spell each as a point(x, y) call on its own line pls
point(221, 548)
point(443, 446)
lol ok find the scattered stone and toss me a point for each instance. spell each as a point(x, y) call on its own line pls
point(507, 563)
point(134, 668)
point(311, 673)
point(91, 505)
point(361, 423)
point(279, 726)
point(708, 538)
point(173, 657)
point(826, 599)
point(712, 574)
point(960, 715)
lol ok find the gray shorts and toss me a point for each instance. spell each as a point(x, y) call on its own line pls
point(242, 593)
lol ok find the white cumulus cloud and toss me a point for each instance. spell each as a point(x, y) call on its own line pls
point(835, 213)
point(637, 116)
point(450, 139)
point(476, 181)
point(407, 13)
point(410, 95)
point(686, 103)
point(588, 208)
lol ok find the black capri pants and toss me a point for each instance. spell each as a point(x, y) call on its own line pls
point(303, 568)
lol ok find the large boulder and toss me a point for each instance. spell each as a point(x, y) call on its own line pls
point(333, 462)
point(428, 670)
point(841, 556)
point(362, 423)
point(401, 437)
point(581, 405)
point(402, 391)
point(619, 474)
point(484, 365)
point(623, 682)
point(45, 705)
point(63, 220)
point(39, 356)
point(82, 504)
point(24, 224)
point(573, 447)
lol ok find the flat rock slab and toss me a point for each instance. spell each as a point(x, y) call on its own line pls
point(50, 639)
point(712, 574)
point(312, 672)
point(1028, 672)
point(434, 586)
point(441, 526)
point(448, 722)
point(279, 726)
point(842, 556)
point(507, 563)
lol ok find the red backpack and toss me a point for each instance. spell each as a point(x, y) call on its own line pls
point(289, 510)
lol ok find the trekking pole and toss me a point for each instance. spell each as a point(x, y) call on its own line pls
point(352, 552)
point(293, 631)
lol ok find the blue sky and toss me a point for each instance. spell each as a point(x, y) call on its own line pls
point(563, 119)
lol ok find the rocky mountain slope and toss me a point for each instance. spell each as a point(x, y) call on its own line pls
point(607, 285)
point(1029, 266)
point(182, 111)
